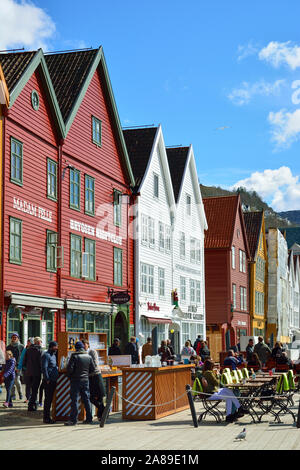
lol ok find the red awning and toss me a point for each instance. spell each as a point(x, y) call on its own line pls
point(158, 320)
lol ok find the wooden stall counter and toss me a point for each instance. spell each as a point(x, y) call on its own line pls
point(154, 386)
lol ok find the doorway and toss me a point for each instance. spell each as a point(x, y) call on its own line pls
point(121, 330)
point(34, 328)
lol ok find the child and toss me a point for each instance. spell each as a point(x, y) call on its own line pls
point(9, 377)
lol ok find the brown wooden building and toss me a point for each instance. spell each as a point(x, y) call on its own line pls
point(226, 273)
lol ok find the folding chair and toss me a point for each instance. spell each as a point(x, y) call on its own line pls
point(278, 402)
point(210, 406)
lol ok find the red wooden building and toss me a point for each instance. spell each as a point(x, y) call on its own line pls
point(66, 192)
point(226, 273)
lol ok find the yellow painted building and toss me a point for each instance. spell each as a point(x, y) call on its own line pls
point(258, 272)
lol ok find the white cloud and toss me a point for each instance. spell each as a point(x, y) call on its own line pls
point(281, 53)
point(245, 93)
point(286, 127)
point(23, 24)
point(278, 187)
point(246, 51)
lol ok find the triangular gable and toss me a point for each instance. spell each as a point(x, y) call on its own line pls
point(25, 65)
point(253, 223)
point(241, 214)
point(4, 93)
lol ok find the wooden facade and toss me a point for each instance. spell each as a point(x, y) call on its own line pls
point(48, 137)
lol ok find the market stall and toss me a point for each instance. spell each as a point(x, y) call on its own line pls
point(148, 386)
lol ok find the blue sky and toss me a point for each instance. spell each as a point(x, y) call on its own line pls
point(219, 75)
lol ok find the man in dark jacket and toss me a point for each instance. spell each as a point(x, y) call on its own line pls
point(132, 349)
point(114, 349)
point(79, 367)
point(249, 349)
point(33, 369)
point(50, 375)
point(203, 351)
point(231, 360)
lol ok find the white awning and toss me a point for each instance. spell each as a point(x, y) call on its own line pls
point(36, 301)
point(101, 307)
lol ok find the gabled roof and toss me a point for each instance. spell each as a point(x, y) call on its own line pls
point(253, 224)
point(68, 73)
point(66, 79)
point(177, 158)
point(139, 143)
point(221, 215)
point(291, 234)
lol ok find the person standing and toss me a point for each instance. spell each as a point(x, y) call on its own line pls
point(21, 369)
point(147, 349)
point(79, 367)
point(262, 350)
point(33, 364)
point(50, 376)
point(249, 349)
point(114, 349)
point(198, 339)
point(132, 350)
point(203, 351)
point(16, 348)
point(96, 384)
point(9, 377)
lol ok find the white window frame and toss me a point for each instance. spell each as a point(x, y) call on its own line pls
point(182, 289)
point(161, 283)
point(233, 257)
point(234, 295)
point(155, 186)
point(193, 250)
point(161, 236)
point(182, 245)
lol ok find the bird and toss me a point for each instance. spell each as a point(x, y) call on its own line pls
point(242, 435)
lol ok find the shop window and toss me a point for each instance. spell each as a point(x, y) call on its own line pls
point(16, 161)
point(48, 317)
point(89, 195)
point(13, 323)
point(51, 179)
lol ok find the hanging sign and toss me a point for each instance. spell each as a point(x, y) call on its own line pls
point(120, 298)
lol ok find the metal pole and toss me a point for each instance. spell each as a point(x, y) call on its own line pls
point(192, 405)
point(107, 407)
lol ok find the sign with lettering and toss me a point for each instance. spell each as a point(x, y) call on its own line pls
point(95, 232)
point(32, 209)
point(153, 307)
point(120, 298)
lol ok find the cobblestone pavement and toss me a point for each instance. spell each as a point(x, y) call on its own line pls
point(23, 430)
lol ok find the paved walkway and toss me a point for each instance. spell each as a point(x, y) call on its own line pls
point(22, 430)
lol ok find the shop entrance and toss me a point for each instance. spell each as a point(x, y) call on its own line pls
point(34, 328)
point(120, 330)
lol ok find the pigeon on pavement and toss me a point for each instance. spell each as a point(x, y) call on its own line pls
point(242, 435)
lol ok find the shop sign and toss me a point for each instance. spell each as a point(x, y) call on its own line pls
point(192, 316)
point(120, 298)
point(192, 308)
point(153, 307)
point(242, 323)
point(95, 232)
point(32, 209)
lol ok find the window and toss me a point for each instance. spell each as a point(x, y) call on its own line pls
point(97, 131)
point(182, 244)
point(242, 261)
point(90, 250)
point(259, 303)
point(51, 251)
point(16, 161)
point(144, 230)
point(75, 244)
point(51, 179)
point(233, 257)
point(183, 288)
point(117, 208)
point(151, 232)
point(35, 101)
point(198, 252)
point(188, 205)
point(89, 183)
point(15, 241)
point(168, 238)
point(161, 236)
point(198, 292)
point(243, 293)
point(161, 282)
point(147, 278)
point(155, 186)
point(193, 250)
point(234, 295)
point(260, 269)
point(192, 291)
point(118, 267)
point(74, 189)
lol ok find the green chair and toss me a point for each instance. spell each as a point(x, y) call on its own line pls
point(240, 375)
point(245, 373)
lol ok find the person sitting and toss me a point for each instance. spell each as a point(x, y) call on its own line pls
point(114, 349)
point(232, 360)
point(212, 385)
point(164, 352)
point(277, 350)
point(187, 350)
point(283, 359)
point(254, 361)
